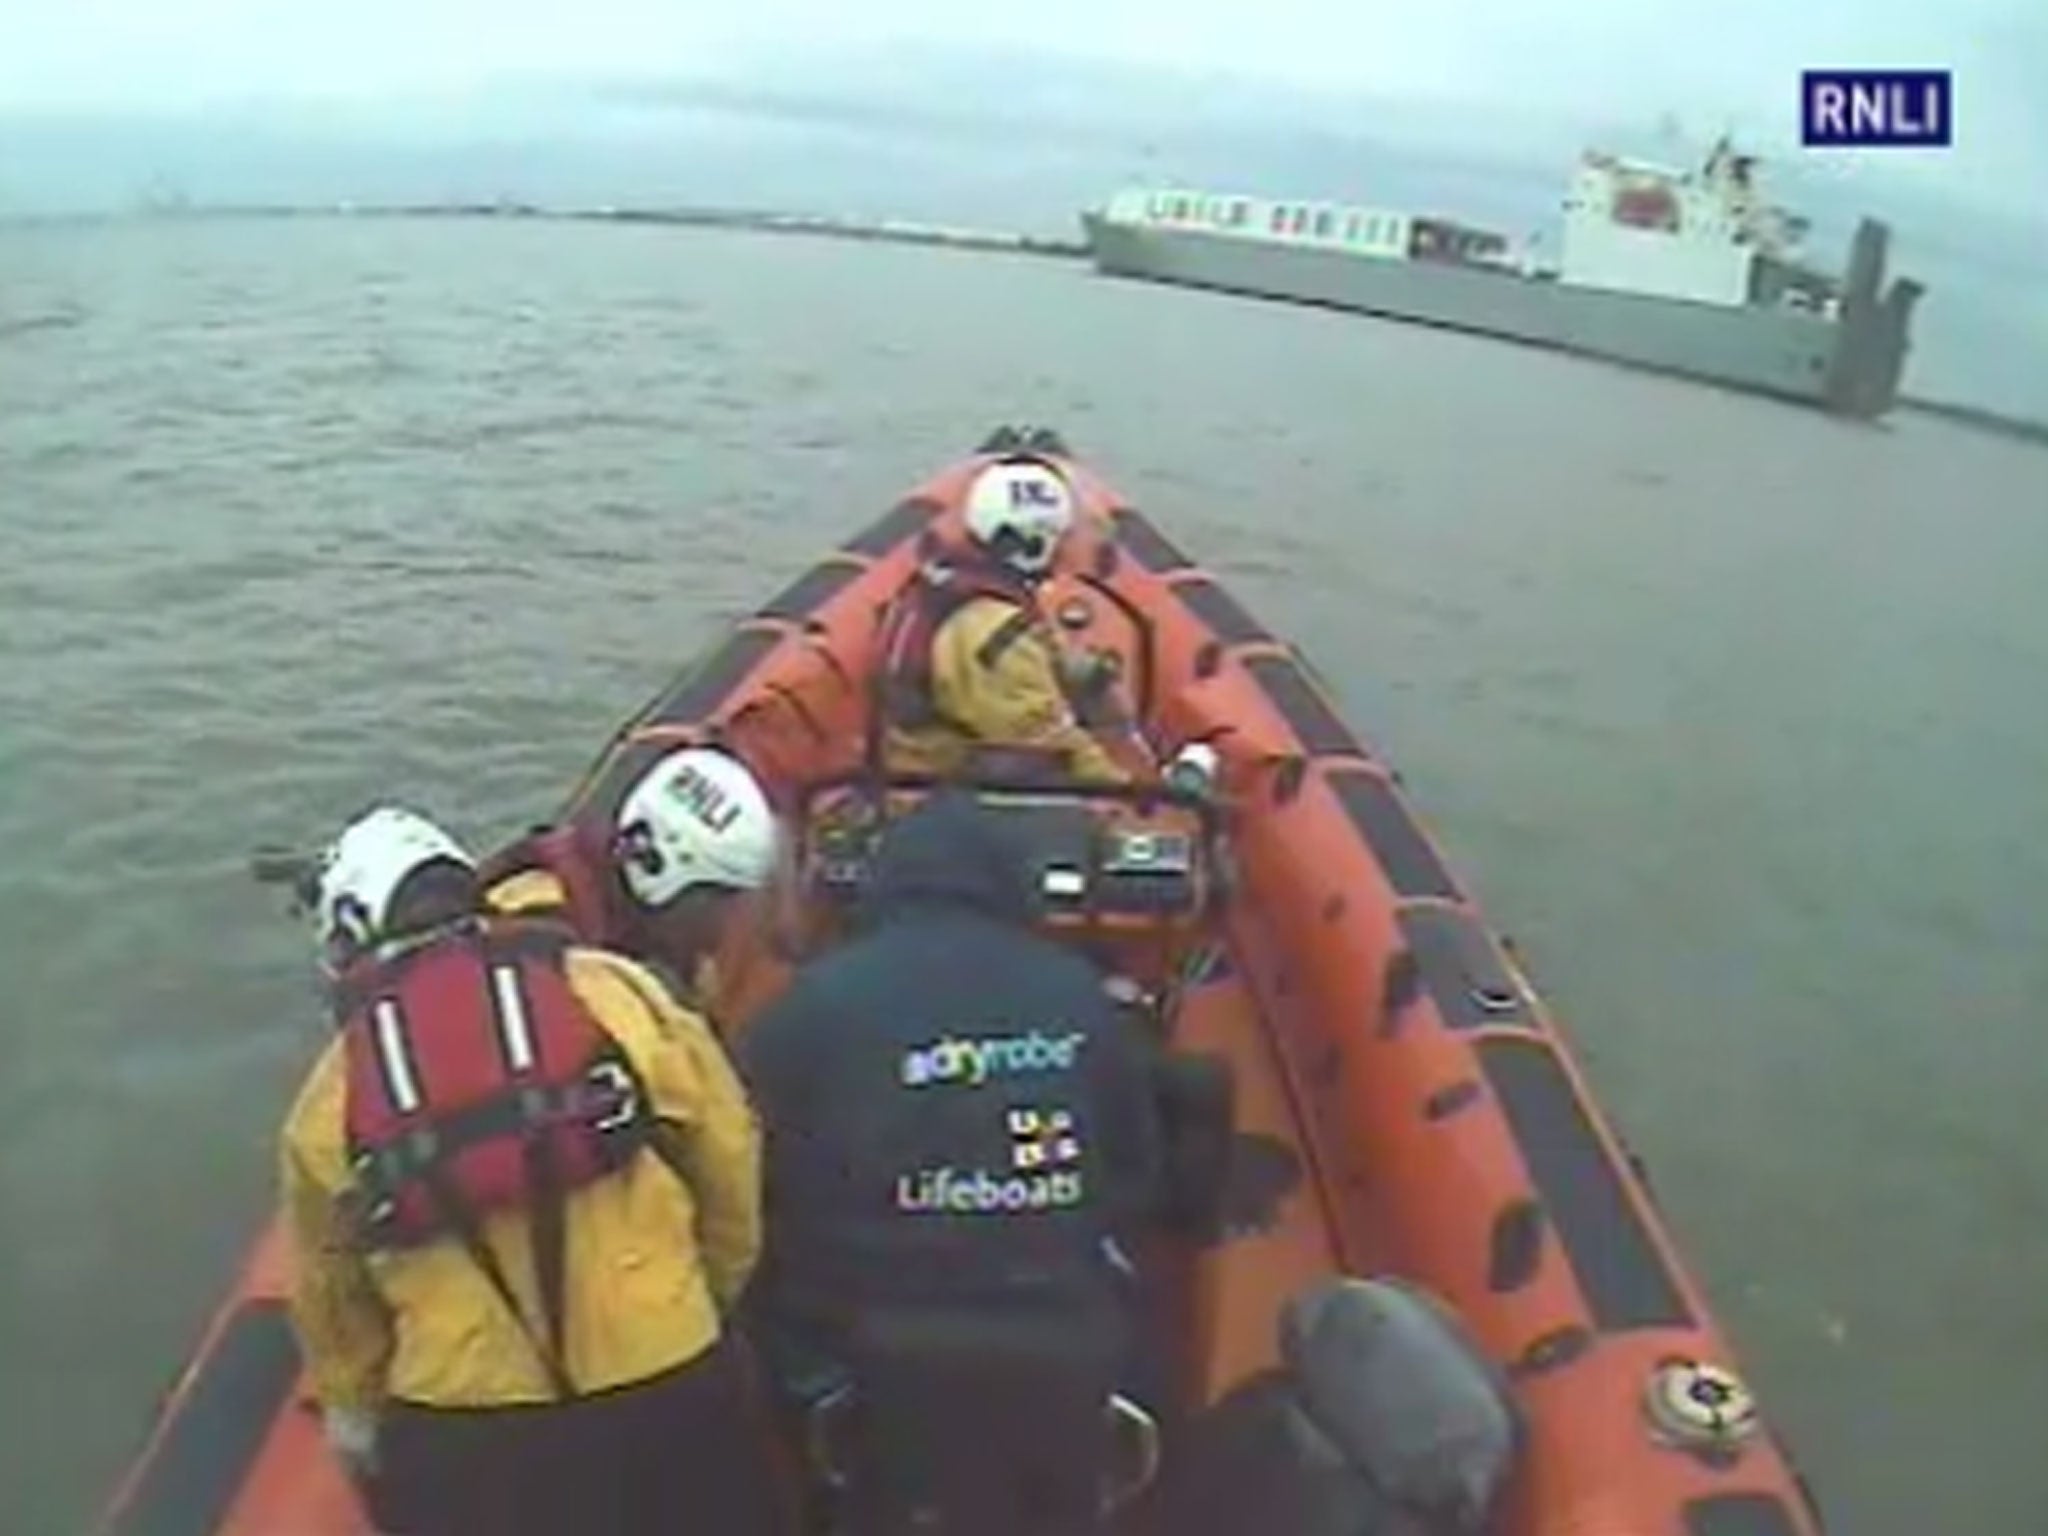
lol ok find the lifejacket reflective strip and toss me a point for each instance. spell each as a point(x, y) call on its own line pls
point(515, 1029)
point(574, 1089)
point(567, 1109)
point(394, 1057)
point(1005, 635)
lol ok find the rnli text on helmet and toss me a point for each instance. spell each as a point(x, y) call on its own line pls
point(954, 1060)
point(1033, 491)
point(706, 801)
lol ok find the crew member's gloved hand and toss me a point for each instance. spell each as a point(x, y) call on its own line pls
point(1089, 674)
point(352, 1436)
point(1192, 770)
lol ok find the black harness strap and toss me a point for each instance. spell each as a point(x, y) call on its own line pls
point(547, 1213)
point(550, 1240)
point(455, 1211)
point(885, 688)
point(384, 1171)
point(880, 704)
point(1004, 635)
point(531, 1112)
point(987, 654)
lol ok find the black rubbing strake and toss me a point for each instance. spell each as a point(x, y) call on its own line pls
point(1224, 614)
point(892, 527)
point(704, 686)
point(1515, 1247)
point(618, 779)
point(810, 591)
point(1151, 548)
point(698, 689)
point(1640, 1169)
point(1301, 706)
point(207, 1450)
point(1619, 1269)
point(1739, 1514)
point(1397, 841)
point(1807, 1497)
point(579, 795)
point(1208, 658)
point(1464, 972)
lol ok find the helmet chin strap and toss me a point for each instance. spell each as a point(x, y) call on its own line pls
point(1018, 554)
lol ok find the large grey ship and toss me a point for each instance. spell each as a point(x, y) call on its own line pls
point(1686, 272)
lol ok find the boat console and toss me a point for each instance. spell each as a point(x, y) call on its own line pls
point(1131, 875)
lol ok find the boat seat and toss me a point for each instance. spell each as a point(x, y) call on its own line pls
point(1252, 1462)
point(1385, 1420)
point(983, 1423)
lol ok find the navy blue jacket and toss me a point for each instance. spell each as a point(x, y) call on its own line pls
point(953, 1106)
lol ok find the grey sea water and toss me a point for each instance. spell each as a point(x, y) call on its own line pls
point(1733, 715)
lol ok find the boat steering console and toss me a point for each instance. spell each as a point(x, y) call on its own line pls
point(1131, 874)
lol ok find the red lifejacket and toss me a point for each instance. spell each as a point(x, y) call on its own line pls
point(940, 589)
point(477, 1082)
point(577, 862)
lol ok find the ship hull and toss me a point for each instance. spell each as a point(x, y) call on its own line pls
point(1851, 365)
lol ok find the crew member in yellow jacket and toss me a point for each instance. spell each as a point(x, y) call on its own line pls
point(521, 1190)
point(969, 663)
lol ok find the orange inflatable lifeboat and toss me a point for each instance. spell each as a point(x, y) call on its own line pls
point(1407, 1221)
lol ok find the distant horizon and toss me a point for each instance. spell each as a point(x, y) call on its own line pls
point(2002, 420)
point(1065, 135)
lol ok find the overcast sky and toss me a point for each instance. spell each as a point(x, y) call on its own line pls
point(1733, 62)
point(1742, 52)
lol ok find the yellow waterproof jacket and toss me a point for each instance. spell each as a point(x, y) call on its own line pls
point(540, 894)
point(532, 893)
point(651, 1261)
point(1006, 695)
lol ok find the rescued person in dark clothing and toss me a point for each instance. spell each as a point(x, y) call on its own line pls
point(959, 1123)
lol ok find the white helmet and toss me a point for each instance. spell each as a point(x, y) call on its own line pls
point(1029, 501)
point(362, 869)
point(697, 817)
